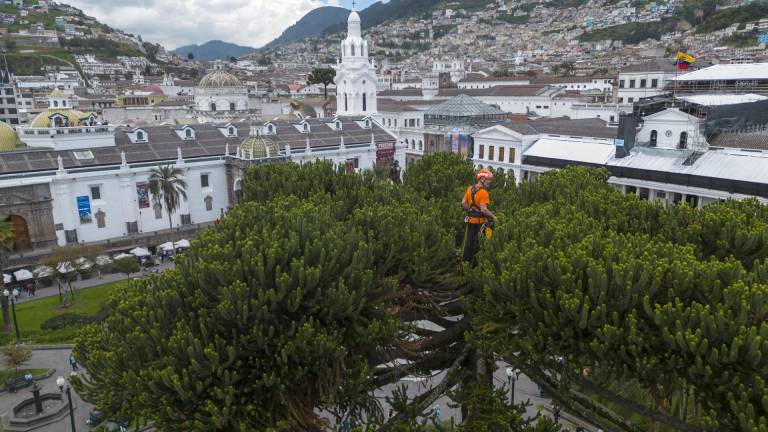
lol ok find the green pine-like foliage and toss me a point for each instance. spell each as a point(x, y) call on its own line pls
point(281, 316)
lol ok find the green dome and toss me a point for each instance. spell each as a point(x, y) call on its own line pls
point(257, 147)
point(43, 120)
point(218, 79)
point(8, 137)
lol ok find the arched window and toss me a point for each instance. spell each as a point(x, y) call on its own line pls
point(346, 106)
point(231, 106)
point(683, 140)
point(271, 129)
point(63, 103)
point(213, 106)
point(353, 50)
point(421, 145)
point(365, 105)
point(338, 125)
point(231, 131)
point(56, 104)
point(654, 138)
point(139, 136)
point(188, 133)
point(306, 127)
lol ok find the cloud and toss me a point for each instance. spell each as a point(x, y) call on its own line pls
point(175, 23)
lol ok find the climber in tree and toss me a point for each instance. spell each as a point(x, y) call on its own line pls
point(475, 203)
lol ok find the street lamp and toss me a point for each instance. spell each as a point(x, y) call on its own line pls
point(61, 382)
point(13, 307)
point(512, 376)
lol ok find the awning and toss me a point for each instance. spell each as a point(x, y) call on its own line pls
point(140, 252)
point(43, 271)
point(183, 243)
point(7, 278)
point(167, 246)
point(23, 274)
point(103, 260)
point(121, 256)
point(65, 267)
point(83, 263)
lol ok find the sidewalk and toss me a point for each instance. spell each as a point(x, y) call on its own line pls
point(88, 283)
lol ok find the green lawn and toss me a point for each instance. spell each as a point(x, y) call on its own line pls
point(5, 374)
point(33, 313)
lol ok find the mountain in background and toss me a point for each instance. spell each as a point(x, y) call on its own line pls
point(314, 23)
point(380, 12)
point(214, 50)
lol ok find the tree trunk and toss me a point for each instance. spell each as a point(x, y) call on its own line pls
point(170, 226)
point(6, 316)
point(4, 299)
point(325, 91)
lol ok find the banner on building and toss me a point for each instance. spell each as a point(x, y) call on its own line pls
point(385, 151)
point(84, 209)
point(455, 141)
point(464, 144)
point(142, 193)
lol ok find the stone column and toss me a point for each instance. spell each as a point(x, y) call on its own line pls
point(129, 206)
point(68, 217)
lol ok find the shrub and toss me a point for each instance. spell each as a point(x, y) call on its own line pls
point(73, 319)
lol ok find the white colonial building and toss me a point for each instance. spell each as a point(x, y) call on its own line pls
point(645, 80)
point(89, 185)
point(677, 150)
point(355, 75)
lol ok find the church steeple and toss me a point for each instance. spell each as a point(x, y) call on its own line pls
point(355, 75)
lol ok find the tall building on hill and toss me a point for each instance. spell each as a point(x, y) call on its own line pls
point(355, 75)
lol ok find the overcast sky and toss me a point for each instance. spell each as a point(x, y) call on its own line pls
point(175, 23)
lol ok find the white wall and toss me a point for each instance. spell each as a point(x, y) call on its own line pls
point(630, 95)
point(669, 125)
point(119, 200)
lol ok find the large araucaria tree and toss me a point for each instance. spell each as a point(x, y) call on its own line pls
point(288, 314)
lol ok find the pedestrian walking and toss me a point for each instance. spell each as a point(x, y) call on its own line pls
point(73, 362)
point(556, 412)
point(345, 426)
point(436, 413)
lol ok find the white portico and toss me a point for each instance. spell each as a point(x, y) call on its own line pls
point(355, 75)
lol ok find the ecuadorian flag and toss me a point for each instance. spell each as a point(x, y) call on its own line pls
point(684, 60)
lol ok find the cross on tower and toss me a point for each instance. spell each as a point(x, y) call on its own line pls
point(353, 4)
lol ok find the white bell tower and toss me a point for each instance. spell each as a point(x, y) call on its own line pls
point(355, 75)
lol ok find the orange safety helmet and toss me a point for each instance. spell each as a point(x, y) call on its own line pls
point(484, 174)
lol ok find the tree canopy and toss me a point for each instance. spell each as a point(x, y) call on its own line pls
point(322, 76)
point(291, 310)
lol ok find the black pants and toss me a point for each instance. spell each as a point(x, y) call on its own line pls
point(470, 243)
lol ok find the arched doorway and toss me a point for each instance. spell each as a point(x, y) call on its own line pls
point(21, 240)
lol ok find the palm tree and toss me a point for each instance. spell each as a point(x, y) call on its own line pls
point(6, 242)
point(167, 186)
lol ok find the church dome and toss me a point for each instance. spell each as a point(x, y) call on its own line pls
point(258, 147)
point(218, 79)
point(8, 137)
point(43, 120)
point(354, 17)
